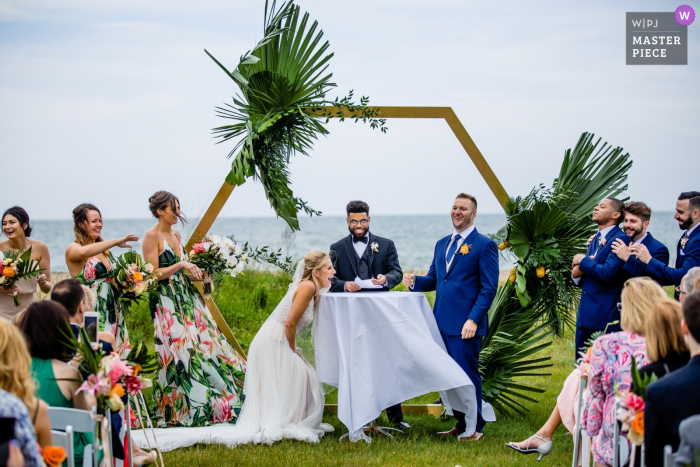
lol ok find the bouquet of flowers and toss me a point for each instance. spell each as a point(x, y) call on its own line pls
point(631, 411)
point(132, 278)
point(16, 266)
point(215, 255)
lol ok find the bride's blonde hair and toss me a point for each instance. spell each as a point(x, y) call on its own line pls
point(313, 261)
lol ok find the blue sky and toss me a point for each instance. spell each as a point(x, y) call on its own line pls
point(107, 102)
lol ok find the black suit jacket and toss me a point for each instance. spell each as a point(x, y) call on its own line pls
point(346, 263)
point(669, 401)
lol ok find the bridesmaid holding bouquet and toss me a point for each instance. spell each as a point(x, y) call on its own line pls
point(15, 226)
point(89, 259)
point(199, 380)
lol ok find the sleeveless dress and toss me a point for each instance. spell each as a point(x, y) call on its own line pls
point(199, 379)
point(27, 289)
point(96, 275)
point(283, 396)
point(49, 392)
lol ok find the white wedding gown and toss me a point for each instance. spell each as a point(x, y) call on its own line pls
point(283, 397)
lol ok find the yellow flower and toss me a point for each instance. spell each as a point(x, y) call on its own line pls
point(117, 390)
point(137, 368)
point(512, 275)
point(504, 245)
point(540, 271)
point(464, 249)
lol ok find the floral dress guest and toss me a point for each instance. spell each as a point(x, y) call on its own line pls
point(16, 227)
point(12, 407)
point(89, 259)
point(611, 363)
point(199, 380)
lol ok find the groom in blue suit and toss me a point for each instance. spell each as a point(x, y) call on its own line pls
point(599, 274)
point(464, 275)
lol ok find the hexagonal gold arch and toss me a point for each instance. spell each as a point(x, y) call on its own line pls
point(445, 113)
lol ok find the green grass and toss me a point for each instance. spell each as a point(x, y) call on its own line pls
point(245, 305)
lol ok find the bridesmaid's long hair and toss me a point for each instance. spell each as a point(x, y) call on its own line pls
point(313, 261)
point(80, 218)
point(15, 364)
point(162, 200)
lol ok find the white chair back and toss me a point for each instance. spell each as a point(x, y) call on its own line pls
point(80, 421)
point(668, 456)
point(583, 383)
point(65, 440)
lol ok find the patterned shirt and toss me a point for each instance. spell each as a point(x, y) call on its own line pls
point(13, 407)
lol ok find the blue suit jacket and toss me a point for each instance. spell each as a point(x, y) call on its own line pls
point(467, 289)
point(658, 251)
point(665, 275)
point(601, 284)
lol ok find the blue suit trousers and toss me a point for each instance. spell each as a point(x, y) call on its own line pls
point(466, 353)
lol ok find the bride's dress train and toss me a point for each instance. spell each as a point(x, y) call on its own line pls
point(283, 397)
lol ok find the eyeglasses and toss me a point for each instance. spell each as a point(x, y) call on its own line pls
point(363, 222)
point(680, 291)
point(619, 306)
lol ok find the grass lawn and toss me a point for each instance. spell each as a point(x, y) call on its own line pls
point(246, 303)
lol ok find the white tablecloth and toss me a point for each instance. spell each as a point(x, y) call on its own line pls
point(382, 348)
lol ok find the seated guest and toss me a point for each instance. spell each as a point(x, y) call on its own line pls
point(44, 324)
point(666, 349)
point(670, 400)
point(70, 294)
point(611, 362)
point(16, 378)
point(638, 297)
point(637, 217)
point(689, 284)
point(12, 407)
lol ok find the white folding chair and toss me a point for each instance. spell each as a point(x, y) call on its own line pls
point(582, 385)
point(668, 456)
point(65, 440)
point(80, 421)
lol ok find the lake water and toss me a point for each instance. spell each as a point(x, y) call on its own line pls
point(414, 236)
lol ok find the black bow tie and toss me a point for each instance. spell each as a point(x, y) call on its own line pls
point(361, 239)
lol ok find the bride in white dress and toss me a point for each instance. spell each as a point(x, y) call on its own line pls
point(283, 397)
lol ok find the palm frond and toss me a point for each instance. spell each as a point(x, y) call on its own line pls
point(283, 83)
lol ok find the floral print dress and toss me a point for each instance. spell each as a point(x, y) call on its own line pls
point(96, 275)
point(199, 380)
point(609, 371)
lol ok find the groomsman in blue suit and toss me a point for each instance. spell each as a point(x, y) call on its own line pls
point(637, 217)
point(687, 250)
point(599, 274)
point(464, 275)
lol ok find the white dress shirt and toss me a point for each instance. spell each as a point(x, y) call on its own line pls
point(360, 247)
point(463, 235)
point(637, 242)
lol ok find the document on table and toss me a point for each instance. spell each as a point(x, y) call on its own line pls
point(366, 283)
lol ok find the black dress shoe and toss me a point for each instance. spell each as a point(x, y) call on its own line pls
point(439, 401)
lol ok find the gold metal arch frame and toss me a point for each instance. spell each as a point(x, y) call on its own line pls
point(459, 131)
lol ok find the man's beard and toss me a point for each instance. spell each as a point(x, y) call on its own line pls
point(635, 233)
point(352, 232)
point(685, 224)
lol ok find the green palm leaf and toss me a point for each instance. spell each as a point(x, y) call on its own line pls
point(283, 85)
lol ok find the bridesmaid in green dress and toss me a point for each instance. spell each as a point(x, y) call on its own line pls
point(89, 259)
point(199, 380)
point(43, 325)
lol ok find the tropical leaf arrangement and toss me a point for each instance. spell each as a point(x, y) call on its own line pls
point(279, 112)
point(544, 230)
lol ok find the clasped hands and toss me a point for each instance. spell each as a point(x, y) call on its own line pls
point(352, 287)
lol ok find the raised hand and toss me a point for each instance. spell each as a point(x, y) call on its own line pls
point(123, 242)
point(621, 250)
point(409, 280)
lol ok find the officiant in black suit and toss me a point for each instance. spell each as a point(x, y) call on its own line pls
point(364, 255)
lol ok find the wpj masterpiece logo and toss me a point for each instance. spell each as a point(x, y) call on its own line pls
point(659, 38)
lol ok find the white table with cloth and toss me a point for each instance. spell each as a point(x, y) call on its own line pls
point(382, 348)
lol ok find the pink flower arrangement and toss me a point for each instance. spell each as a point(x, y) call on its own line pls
point(634, 402)
point(198, 248)
point(93, 385)
point(222, 410)
point(117, 369)
point(134, 385)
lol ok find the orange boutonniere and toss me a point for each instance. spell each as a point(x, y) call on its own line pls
point(53, 455)
point(464, 249)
